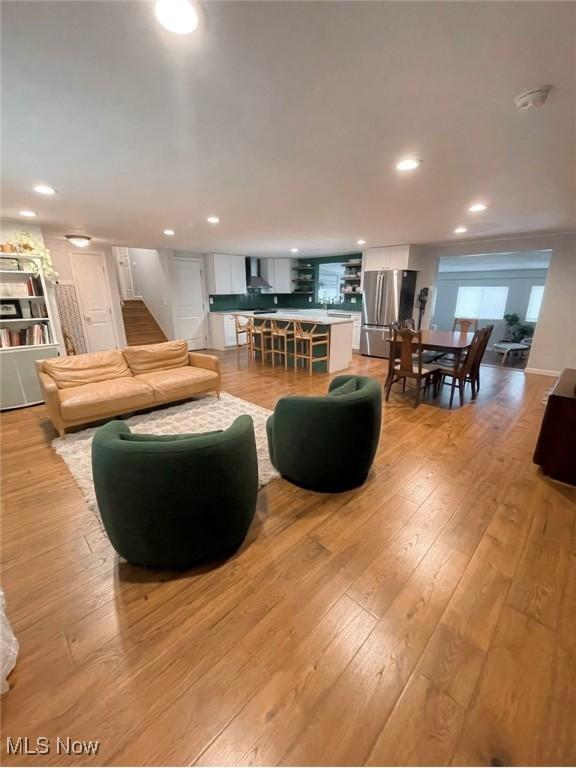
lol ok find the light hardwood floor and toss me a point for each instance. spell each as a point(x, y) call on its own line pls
point(428, 617)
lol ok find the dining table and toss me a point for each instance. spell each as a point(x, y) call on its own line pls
point(454, 342)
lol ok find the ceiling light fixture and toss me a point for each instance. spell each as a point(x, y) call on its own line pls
point(169, 232)
point(408, 164)
point(44, 189)
point(477, 208)
point(293, 250)
point(80, 241)
point(360, 242)
point(460, 230)
point(178, 16)
point(213, 220)
point(28, 214)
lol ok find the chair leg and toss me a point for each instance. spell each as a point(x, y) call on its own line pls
point(417, 395)
point(452, 390)
point(461, 383)
point(389, 382)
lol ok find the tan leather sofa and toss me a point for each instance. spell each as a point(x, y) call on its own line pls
point(84, 388)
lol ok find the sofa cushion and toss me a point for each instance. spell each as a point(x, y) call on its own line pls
point(156, 357)
point(103, 398)
point(77, 370)
point(178, 383)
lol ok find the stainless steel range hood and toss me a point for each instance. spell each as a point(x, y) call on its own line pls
point(253, 277)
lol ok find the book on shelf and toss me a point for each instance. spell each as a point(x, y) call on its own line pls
point(11, 289)
point(28, 336)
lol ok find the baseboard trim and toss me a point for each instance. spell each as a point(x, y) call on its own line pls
point(542, 372)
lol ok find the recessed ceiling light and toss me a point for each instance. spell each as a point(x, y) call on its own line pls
point(44, 189)
point(80, 241)
point(460, 230)
point(360, 242)
point(293, 250)
point(213, 220)
point(28, 214)
point(169, 232)
point(477, 208)
point(408, 164)
point(177, 16)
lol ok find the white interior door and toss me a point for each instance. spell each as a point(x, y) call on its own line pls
point(91, 278)
point(189, 307)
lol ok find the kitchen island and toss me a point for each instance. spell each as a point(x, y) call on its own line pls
point(338, 325)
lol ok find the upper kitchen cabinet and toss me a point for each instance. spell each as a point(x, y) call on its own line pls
point(388, 257)
point(226, 274)
point(278, 273)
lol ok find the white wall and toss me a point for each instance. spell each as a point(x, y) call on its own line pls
point(62, 254)
point(554, 346)
point(151, 281)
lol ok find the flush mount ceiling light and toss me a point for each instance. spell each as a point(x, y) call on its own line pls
point(80, 241)
point(28, 214)
point(360, 242)
point(460, 230)
point(293, 250)
point(477, 208)
point(178, 16)
point(408, 164)
point(213, 220)
point(169, 232)
point(44, 189)
point(533, 98)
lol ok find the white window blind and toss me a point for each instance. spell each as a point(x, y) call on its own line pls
point(487, 303)
point(534, 303)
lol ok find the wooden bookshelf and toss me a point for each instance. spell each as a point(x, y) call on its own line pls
point(26, 332)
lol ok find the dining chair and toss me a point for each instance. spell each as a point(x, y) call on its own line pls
point(283, 334)
point(305, 340)
point(465, 324)
point(406, 362)
point(487, 331)
point(462, 372)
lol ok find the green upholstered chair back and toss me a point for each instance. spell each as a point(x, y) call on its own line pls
point(328, 443)
point(175, 501)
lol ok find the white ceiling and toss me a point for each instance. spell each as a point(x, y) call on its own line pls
point(286, 120)
point(495, 262)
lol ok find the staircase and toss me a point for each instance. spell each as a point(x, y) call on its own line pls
point(139, 324)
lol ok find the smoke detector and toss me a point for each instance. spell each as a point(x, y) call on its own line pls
point(533, 98)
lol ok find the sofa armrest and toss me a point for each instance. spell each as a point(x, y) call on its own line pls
point(51, 397)
point(199, 360)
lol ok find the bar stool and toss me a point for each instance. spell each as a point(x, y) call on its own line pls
point(284, 333)
point(243, 328)
point(261, 339)
point(310, 339)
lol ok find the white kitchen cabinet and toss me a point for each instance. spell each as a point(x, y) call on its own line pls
point(222, 330)
point(278, 272)
point(226, 274)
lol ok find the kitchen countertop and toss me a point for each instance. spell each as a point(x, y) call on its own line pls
point(305, 316)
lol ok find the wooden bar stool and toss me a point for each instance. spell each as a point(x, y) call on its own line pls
point(243, 329)
point(308, 339)
point(261, 339)
point(285, 334)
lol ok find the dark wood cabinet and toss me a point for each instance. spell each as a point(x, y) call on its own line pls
point(556, 447)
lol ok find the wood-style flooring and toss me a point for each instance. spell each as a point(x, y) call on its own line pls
point(427, 618)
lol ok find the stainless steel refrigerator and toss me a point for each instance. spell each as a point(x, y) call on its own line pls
point(388, 299)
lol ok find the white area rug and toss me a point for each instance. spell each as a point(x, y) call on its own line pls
point(202, 415)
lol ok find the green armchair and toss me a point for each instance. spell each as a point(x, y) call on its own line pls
point(327, 443)
point(179, 500)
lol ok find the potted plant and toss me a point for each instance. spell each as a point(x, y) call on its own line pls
point(515, 330)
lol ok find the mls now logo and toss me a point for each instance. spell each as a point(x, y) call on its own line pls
point(23, 745)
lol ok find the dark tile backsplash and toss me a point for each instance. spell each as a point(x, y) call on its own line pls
point(230, 302)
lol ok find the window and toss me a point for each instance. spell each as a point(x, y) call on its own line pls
point(487, 303)
point(534, 303)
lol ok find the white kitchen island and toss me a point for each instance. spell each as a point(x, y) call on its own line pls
point(340, 328)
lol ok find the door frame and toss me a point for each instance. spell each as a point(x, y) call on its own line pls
point(205, 302)
point(74, 267)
